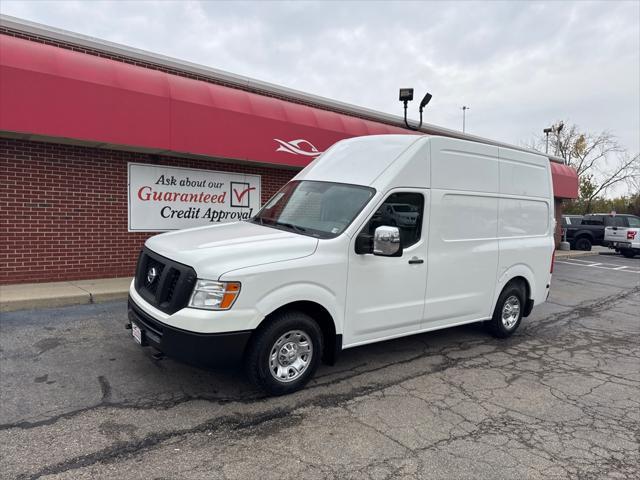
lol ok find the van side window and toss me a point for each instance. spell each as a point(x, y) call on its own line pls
point(402, 210)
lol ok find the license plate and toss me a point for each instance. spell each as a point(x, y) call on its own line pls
point(137, 333)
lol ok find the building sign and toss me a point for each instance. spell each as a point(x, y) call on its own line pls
point(166, 198)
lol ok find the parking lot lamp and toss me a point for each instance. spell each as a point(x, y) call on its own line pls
point(464, 112)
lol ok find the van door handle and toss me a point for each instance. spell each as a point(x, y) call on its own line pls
point(415, 261)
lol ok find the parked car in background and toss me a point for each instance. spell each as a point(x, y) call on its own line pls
point(590, 231)
point(398, 214)
point(624, 235)
point(571, 220)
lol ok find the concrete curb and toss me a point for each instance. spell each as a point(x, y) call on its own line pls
point(58, 294)
point(597, 250)
point(573, 254)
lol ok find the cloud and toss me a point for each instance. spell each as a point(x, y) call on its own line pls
point(519, 66)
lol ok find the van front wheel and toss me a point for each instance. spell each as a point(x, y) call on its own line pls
point(508, 312)
point(285, 353)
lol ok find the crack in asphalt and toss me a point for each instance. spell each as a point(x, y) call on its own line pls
point(235, 424)
point(524, 335)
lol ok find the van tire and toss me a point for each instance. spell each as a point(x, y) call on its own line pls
point(628, 253)
point(297, 330)
point(503, 328)
point(584, 244)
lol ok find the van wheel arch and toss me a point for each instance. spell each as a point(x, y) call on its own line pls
point(332, 342)
point(526, 288)
point(510, 308)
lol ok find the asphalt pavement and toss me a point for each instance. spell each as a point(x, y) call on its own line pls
point(560, 399)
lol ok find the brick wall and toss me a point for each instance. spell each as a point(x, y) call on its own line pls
point(63, 209)
point(559, 208)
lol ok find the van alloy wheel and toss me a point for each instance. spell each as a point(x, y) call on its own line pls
point(510, 312)
point(507, 314)
point(284, 352)
point(290, 356)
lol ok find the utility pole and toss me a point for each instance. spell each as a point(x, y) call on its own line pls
point(547, 131)
point(553, 129)
point(464, 111)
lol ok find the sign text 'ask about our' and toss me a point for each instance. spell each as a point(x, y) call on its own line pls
point(169, 198)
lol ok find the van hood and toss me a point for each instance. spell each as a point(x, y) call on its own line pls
point(214, 250)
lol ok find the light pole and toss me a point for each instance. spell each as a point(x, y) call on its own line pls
point(558, 130)
point(553, 128)
point(464, 111)
point(547, 131)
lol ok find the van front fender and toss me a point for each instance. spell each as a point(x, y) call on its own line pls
point(303, 292)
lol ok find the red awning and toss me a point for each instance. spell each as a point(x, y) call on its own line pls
point(56, 92)
point(52, 91)
point(565, 181)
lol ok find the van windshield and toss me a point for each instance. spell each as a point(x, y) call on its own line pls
point(317, 209)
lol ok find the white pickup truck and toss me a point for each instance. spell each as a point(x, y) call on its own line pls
point(624, 238)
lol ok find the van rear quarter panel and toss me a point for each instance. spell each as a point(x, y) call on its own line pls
point(491, 220)
point(525, 226)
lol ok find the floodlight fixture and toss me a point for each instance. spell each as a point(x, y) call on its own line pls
point(406, 95)
point(427, 98)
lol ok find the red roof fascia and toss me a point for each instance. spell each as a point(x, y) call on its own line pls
point(56, 92)
point(51, 91)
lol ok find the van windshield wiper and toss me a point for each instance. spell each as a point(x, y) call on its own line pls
point(261, 220)
point(291, 226)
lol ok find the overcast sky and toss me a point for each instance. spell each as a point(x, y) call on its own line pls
point(518, 65)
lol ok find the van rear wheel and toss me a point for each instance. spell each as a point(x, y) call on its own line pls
point(284, 354)
point(508, 312)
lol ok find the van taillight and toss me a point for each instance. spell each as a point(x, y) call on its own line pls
point(631, 234)
point(553, 260)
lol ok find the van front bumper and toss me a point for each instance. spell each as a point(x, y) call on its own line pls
point(199, 349)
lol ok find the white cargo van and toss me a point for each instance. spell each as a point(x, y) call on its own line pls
point(378, 238)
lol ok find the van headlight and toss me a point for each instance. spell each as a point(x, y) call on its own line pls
point(212, 295)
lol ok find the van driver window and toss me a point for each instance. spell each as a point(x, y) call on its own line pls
point(402, 210)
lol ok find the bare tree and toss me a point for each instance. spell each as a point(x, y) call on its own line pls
point(601, 162)
point(633, 182)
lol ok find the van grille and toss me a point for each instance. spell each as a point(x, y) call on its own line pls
point(163, 283)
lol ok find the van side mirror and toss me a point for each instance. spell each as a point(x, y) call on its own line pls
point(386, 242)
point(364, 243)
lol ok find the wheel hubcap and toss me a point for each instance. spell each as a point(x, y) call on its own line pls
point(290, 356)
point(510, 312)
